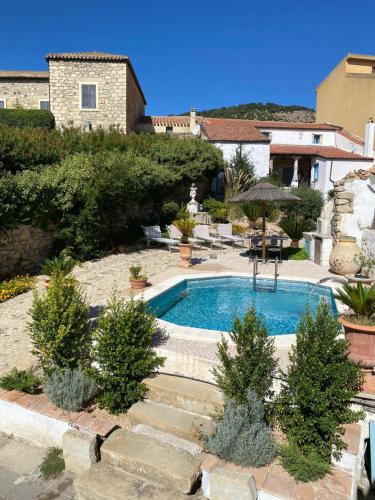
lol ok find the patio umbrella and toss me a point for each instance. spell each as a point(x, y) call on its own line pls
point(264, 192)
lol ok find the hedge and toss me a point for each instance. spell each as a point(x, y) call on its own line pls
point(27, 118)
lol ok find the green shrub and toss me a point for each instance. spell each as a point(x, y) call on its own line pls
point(20, 380)
point(27, 118)
point(241, 434)
point(70, 389)
point(59, 327)
point(169, 210)
point(211, 205)
point(252, 211)
point(317, 389)
point(123, 353)
point(309, 207)
point(303, 468)
point(253, 366)
point(240, 161)
point(136, 273)
point(58, 265)
point(53, 464)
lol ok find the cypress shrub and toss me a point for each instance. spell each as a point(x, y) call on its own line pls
point(316, 392)
point(59, 328)
point(241, 434)
point(123, 353)
point(253, 366)
point(27, 118)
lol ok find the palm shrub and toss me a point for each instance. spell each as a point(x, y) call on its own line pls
point(70, 389)
point(316, 392)
point(253, 366)
point(252, 212)
point(185, 226)
point(58, 265)
point(241, 434)
point(59, 328)
point(361, 301)
point(294, 227)
point(123, 353)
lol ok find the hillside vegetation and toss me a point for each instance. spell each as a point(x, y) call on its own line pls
point(260, 111)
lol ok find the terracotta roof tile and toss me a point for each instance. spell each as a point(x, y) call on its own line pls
point(327, 152)
point(351, 137)
point(24, 74)
point(231, 130)
point(270, 124)
point(86, 56)
point(181, 121)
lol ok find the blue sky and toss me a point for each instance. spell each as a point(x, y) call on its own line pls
point(198, 53)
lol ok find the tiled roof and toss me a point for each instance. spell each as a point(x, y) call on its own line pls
point(231, 130)
point(351, 137)
point(24, 74)
point(181, 121)
point(86, 56)
point(327, 152)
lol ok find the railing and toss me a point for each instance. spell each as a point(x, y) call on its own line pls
point(256, 272)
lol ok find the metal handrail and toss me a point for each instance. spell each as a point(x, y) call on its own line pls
point(255, 272)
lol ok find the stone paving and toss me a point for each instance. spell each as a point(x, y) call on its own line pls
point(100, 277)
point(20, 477)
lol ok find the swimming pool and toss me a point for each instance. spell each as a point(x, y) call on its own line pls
point(212, 303)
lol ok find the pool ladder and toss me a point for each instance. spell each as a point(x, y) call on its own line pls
point(256, 272)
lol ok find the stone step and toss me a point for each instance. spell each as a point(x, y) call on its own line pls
point(155, 461)
point(186, 394)
point(181, 423)
point(103, 482)
point(164, 437)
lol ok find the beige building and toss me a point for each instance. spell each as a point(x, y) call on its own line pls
point(346, 97)
point(82, 89)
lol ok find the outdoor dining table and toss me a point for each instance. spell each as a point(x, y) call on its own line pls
point(274, 237)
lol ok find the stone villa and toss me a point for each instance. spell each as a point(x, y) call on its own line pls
point(82, 89)
point(95, 89)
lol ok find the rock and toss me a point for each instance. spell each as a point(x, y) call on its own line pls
point(156, 461)
point(229, 484)
point(344, 209)
point(165, 437)
point(345, 195)
point(80, 450)
point(341, 201)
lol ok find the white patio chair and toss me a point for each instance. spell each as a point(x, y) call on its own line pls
point(225, 231)
point(201, 232)
point(175, 234)
point(153, 233)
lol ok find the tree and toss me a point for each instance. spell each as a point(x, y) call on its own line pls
point(240, 161)
point(59, 328)
point(317, 389)
point(123, 353)
point(253, 366)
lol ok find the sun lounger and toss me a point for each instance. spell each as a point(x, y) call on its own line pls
point(153, 233)
point(175, 234)
point(225, 231)
point(201, 232)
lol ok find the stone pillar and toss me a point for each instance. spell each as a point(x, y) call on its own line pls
point(295, 173)
point(271, 166)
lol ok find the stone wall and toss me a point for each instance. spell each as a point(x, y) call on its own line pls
point(22, 250)
point(25, 93)
point(119, 102)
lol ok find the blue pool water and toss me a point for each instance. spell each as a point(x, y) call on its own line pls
point(212, 303)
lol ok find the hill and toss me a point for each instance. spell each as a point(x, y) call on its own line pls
point(262, 111)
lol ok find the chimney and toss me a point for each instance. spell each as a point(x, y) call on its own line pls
point(193, 121)
point(368, 150)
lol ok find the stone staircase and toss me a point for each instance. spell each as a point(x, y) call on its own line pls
point(160, 458)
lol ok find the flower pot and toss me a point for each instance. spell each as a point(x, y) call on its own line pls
point(345, 257)
point(361, 339)
point(186, 250)
point(294, 244)
point(138, 284)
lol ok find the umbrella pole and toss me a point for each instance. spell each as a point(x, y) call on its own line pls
point(264, 232)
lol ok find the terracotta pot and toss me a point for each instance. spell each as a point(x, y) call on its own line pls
point(345, 257)
point(186, 250)
point(138, 284)
point(294, 244)
point(361, 340)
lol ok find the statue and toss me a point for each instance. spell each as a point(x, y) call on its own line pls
point(192, 206)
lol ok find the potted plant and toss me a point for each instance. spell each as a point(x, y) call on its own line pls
point(359, 322)
point(185, 226)
point(137, 279)
point(294, 227)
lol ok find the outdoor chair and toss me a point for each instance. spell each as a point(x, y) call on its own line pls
point(274, 249)
point(153, 233)
point(255, 247)
point(175, 234)
point(224, 231)
point(201, 232)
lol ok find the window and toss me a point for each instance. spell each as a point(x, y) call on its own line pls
point(88, 96)
point(2, 104)
point(317, 139)
point(169, 130)
point(267, 134)
point(43, 104)
point(315, 172)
